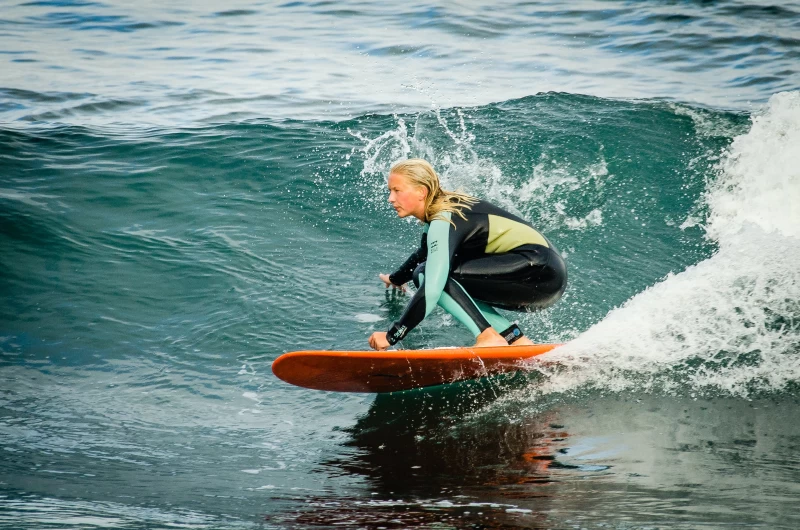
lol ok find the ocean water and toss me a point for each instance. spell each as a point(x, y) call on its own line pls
point(189, 191)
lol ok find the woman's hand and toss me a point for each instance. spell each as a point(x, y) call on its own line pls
point(377, 341)
point(388, 283)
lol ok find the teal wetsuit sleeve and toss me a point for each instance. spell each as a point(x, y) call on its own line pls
point(437, 270)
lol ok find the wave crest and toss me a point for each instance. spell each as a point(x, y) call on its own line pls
point(731, 323)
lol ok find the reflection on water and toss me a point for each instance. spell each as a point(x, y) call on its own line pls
point(420, 443)
point(458, 457)
point(428, 459)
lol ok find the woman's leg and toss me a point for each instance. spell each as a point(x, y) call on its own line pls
point(498, 321)
point(525, 280)
point(476, 317)
point(519, 281)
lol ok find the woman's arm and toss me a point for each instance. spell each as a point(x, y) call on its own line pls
point(405, 272)
point(437, 270)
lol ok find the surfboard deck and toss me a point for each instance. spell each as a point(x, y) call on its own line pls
point(392, 371)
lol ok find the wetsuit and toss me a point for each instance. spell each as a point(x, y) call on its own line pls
point(470, 266)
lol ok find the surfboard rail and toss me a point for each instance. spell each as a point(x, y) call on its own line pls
point(396, 370)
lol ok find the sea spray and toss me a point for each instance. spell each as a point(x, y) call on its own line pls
point(447, 139)
point(731, 323)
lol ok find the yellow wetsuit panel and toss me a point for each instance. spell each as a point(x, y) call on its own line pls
point(506, 235)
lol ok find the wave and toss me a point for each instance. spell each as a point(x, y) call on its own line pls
point(731, 323)
point(632, 192)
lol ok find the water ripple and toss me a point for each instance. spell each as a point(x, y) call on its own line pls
point(295, 61)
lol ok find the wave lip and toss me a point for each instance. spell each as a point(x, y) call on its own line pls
point(759, 179)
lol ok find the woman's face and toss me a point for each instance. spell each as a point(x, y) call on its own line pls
point(406, 198)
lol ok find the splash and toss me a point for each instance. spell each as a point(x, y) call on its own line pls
point(445, 139)
point(378, 155)
point(447, 143)
point(731, 323)
point(553, 181)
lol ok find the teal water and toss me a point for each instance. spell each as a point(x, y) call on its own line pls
point(166, 234)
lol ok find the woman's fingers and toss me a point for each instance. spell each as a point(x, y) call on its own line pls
point(388, 283)
point(377, 341)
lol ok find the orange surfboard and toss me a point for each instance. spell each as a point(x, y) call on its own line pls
point(391, 371)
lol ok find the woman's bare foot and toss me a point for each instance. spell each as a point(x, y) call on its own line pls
point(489, 337)
point(523, 341)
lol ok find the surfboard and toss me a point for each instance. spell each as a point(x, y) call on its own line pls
point(392, 371)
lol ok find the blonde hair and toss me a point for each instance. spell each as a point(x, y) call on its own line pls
point(438, 201)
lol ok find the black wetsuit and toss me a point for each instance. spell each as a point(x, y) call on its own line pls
point(470, 266)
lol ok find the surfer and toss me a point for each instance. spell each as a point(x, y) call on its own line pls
point(473, 258)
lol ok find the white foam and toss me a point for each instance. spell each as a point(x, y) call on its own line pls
point(251, 396)
point(731, 322)
point(367, 318)
point(759, 181)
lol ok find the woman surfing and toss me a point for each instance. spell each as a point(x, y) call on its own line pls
point(473, 258)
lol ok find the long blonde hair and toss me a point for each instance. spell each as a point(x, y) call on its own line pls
point(438, 201)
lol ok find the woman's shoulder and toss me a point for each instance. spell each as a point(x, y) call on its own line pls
point(442, 218)
point(488, 208)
